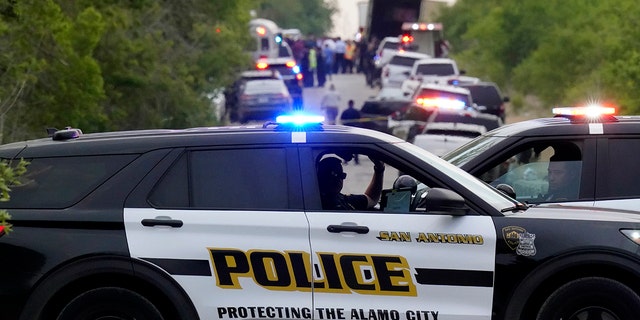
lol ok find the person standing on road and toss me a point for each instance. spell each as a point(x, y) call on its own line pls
point(330, 103)
point(351, 117)
point(349, 57)
point(339, 50)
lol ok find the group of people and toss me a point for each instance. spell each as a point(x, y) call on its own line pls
point(320, 58)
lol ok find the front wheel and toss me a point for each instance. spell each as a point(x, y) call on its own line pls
point(591, 299)
point(110, 303)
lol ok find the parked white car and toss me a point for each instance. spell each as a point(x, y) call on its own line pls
point(396, 71)
point(436, 71)
point(387, 47)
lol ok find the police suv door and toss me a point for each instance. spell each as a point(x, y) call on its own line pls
point(227, 226)
point(399, 265)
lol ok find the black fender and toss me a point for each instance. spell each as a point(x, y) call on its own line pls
point(55, 289)
point(549, 276)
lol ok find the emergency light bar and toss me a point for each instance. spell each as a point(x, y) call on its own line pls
point(587, 111)
point(299, 119)
point(445, 103)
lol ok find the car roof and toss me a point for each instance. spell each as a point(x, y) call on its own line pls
point(412, 54)
point(271, 73)
point(477, 84)
point(390, 39)
point(565, 126)
point(140, 141)
point(435, 60)
point(441, 87)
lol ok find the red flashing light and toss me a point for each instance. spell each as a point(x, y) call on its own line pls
point(438, 102)
point(291, 64)
point(299, 76)
point(406, 38)
point(1, 230)
point(261, 31)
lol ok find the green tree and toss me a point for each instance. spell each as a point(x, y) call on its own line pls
point(564, 52)
point(116, 64)
point(9, 176)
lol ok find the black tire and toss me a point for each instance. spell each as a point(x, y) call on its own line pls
point(591, 299)
point(110, 303)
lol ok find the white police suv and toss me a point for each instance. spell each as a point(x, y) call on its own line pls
point(228, 223)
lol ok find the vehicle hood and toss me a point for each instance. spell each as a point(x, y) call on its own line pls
point(577, 212)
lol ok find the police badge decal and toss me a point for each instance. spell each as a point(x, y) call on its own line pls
point(518, 239)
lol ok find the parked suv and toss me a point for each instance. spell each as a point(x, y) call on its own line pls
point(488, 97)
point(601, 151)
point(395, 71)
point(249, 223)
point(233, 92)
point(291, 75)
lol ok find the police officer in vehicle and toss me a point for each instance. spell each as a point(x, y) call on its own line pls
point(563, 176)
point(331, 178)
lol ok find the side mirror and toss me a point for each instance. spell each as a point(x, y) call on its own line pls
point(506, 189)
point(444, 201)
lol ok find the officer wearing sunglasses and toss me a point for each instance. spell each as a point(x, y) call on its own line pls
point(331, 178)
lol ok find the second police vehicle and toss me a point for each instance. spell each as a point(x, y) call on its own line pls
point(228, 223)
point(598, 149)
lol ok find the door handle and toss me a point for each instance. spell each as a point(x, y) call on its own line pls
point(337, 228)
point(162, 221)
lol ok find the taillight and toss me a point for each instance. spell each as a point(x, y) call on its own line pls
point(291, 64)
point(262, 65)
point(299, 76)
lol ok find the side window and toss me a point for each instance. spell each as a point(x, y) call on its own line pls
point(235, 179)
point(622, 169)
point(363, 181)
point(62, 181)
point(544, 172)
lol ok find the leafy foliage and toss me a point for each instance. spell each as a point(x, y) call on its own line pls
point(116, 64)
point(9, 176)
point(563, 51)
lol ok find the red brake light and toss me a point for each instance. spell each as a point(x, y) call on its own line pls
point(262, 65)
point(299, 76)
point(406, 38)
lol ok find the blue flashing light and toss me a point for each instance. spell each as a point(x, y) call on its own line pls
point(278, 39)
point(299, 119)
point(296, 69)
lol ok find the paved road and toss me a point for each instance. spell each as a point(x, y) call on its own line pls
point(350, 86)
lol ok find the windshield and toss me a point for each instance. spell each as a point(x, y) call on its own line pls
point(435, 69)
point(403, 61)
point(465, 153)
point(492, 196)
